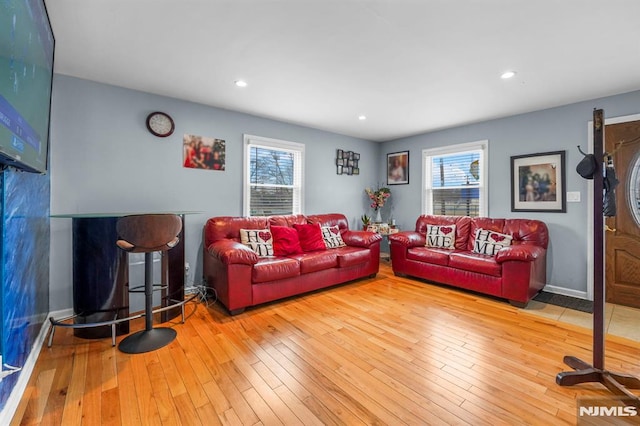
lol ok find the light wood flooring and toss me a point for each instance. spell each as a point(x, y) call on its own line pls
point(386, 350)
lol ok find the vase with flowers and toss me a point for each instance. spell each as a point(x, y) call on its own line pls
point(378, 198)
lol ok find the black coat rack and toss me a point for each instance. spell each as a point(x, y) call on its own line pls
point(583, 372)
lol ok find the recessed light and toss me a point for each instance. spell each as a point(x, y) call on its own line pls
point(507, 74)
point(241, 83)
point(362, 117)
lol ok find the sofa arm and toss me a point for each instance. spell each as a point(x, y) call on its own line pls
point(232, 252)
point(521, 252)
point(360, 238)
point(408, 239)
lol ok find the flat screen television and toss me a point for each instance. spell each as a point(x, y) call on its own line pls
point(26, 73)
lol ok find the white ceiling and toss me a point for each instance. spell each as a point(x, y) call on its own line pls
point(410, 66)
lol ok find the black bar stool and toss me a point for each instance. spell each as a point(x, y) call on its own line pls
point(145, 234)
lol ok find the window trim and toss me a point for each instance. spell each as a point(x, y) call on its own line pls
point(270, 143)
point(483, 147)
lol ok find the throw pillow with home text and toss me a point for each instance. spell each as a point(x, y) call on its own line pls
point(441, 236)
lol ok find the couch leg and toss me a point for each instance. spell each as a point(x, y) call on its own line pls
point(236, 311)
point(372, 275)
point(517, 304)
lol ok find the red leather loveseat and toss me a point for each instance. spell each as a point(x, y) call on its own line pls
point(241, 278)
point(517, 272)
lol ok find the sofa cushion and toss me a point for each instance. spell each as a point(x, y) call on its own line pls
point(317, 261)
point(441, 236)
point(462, 223)
point(275, 268)
point(350, 256)
point(331, 236)
point(259, 240)
point(473, 262)
point(433, 256)
point(310, 237)
point(285, 241)
point(490, 242)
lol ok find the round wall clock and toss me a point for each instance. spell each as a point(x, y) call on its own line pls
point(160, 124)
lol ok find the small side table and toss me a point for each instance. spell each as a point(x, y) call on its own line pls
point(384, 230)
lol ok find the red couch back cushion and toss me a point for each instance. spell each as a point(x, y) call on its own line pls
point(330, 219)
point(524, 231)
point(221, 227)
point(287, 220)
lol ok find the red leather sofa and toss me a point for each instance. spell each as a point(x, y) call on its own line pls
point(243, 279)
point(516, 273)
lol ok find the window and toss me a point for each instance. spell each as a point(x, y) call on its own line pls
point(272, 176)
point(455, 180)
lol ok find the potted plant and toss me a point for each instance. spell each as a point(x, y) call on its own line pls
point(366, 220)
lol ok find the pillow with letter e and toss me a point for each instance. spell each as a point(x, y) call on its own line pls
point(441, 236)
point(285, 241)
point(310, 237)
point(331, 236)
point(490, 242)
point(258, 240)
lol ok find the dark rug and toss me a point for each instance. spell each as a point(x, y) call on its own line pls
point(565, 301)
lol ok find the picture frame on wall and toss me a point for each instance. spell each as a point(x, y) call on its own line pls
point(398, 168)
point(538, 182)
point(339, 169)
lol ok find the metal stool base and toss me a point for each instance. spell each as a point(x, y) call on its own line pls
point(147, 340)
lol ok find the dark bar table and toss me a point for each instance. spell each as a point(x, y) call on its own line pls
point(101, 273)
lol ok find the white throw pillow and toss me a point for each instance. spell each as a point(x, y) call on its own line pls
point(259, 240)
point(489, 242)
point(441, 236)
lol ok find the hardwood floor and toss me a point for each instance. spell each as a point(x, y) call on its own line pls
point(386, 350)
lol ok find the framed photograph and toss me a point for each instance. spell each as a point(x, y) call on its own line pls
point(339, 169)
point(356, 170)
point(340, 154)
point(356, 156)
point(398, 168)
point(339, 161)
point(200, 152)
point(538, 182)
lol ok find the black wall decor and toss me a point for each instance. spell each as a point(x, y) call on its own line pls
point(347, 162)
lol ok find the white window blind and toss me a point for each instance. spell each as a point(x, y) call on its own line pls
point(455, 180)
point(272, 176)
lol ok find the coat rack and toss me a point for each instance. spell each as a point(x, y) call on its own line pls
point(584, 373)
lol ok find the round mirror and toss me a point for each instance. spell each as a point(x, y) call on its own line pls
point(633, 195)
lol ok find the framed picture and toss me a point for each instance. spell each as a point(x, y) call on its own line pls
point(339, 169)
point(340, 154)
point(356, 156)
point(398, 168)
point(538, 182)
point(339, 161)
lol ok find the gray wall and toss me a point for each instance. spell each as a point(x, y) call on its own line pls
point(555, 129)
point(103, 159)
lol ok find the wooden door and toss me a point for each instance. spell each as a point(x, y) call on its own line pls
point(622, 246)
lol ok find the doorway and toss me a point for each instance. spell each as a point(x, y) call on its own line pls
point(622, 239)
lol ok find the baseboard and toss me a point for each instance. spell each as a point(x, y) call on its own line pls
point(566, 292)
point(9, 410)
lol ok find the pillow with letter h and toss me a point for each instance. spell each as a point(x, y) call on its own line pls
point(259, 240)
point(441, 236)
point(331, 236)
point(490, 242)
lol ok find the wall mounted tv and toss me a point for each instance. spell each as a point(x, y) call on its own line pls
point(26, 73)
